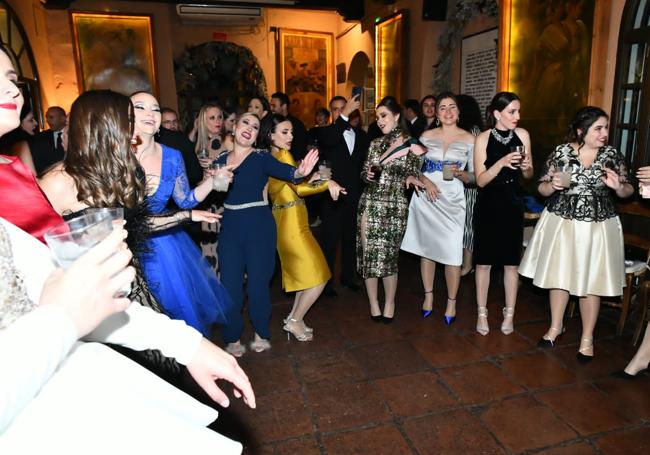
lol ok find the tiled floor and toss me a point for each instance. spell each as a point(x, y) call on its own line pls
point(419, 387)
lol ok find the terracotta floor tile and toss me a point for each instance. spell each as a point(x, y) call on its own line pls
point(327, 339)
point(415, 394)
point(586, 409)
point(278, 417)
point(604, 363)
point(632, 442)
point(447, 349)
point(384, 440)
point(360, 333)
point(342, 406)
point(324, 369)
point(269, 374)
point(496, 343)
point(523, 424)
point(580, 448)
point(297, 446)
point(632, 396)
point(454, 432)
point(479, 383)
point(537, 370)
point(389, 359)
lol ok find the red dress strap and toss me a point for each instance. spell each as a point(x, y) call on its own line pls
point(23, 203)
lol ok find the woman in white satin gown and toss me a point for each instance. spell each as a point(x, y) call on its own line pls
point(436, 220)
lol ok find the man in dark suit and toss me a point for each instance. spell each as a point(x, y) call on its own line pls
point(280, 105)
point(414, 119)
point(345, 148)
point(47, 146)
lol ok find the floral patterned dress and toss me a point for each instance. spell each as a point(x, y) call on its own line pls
point(385, 206)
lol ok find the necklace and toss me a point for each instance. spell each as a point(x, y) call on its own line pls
point(503, 140)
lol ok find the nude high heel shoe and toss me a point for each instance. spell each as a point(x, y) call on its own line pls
point(482, 326)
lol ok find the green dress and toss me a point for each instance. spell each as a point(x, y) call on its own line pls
point(386, 208)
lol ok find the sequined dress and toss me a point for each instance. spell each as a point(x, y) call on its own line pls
point(385, 207)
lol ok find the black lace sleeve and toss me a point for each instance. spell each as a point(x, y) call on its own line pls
point(163, 221)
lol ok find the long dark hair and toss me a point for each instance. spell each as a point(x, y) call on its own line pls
point(471, 118)
point(582, 121)
point(390, 103)
point(99, 157)
point(499, 103)
point(267, 127)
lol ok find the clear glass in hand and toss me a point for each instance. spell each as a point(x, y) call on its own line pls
point(325, 170)
point(219, 182)
point(521, 150)
point(70, 239)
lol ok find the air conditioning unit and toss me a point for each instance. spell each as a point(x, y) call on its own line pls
point(222, 15)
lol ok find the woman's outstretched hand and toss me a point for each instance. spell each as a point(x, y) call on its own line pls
point(307, 165)
point(335, 189)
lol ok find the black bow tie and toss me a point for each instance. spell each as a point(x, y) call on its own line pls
point(349, 128)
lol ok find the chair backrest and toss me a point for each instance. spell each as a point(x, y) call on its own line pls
point(635, 217)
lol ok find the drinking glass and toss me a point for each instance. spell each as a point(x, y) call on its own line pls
point(325, 170)
point(565, 176)
point(219, 182)
point(447, 171)
point(70, 239)
point(376, 169)
point(203, 154)
point(521, 150)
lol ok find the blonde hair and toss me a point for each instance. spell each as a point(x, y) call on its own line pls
point(202, 135)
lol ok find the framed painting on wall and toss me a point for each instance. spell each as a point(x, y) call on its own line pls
point(114, 52)
point(306, 71)
point(389, 56)
point(545, 57)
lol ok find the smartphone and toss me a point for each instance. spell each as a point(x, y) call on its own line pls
point(356, 91)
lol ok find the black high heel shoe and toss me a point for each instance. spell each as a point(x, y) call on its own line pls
point(545, 343)
point(582, 358)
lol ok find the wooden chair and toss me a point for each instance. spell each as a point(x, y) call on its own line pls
point(643, 315)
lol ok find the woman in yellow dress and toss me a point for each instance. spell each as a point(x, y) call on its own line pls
point(304, 269)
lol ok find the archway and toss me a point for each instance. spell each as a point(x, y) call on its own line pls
point(221, 71)
point(14, 40)
point(361, 75)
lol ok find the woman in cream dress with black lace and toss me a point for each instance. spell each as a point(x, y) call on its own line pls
point(577, 246)
point(436, 221)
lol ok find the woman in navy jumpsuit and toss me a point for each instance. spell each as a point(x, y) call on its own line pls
point(247, 239)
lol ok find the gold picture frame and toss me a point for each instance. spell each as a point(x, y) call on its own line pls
point(545, 50)
point(306, 70)
point(390, 56)
point(114, 51)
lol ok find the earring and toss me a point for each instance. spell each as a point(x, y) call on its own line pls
point(437, 122)
point(457, 120)
point(134, 141)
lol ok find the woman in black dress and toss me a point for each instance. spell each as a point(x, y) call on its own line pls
point(499, 213)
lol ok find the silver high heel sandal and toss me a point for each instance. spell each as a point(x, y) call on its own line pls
point(293, 327)
point(508, 328)
point(482, 326)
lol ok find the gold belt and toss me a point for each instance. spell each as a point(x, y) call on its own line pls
point(288, 204)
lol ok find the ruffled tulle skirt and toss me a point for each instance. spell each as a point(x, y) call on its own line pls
point(582, 257)
point(183, 282)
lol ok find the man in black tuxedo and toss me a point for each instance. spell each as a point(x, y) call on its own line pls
point(280, 105)
point(47, 146)
point(414, 119)
point(345, 148)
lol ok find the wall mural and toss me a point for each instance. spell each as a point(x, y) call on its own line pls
point(545, 59)
point(306, 71)
point(114, 52)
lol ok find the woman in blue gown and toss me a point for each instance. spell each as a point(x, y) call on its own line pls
point(247, 240)
point(176, 272)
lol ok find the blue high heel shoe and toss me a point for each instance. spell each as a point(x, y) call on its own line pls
point(449, 320)
point(427, 313)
